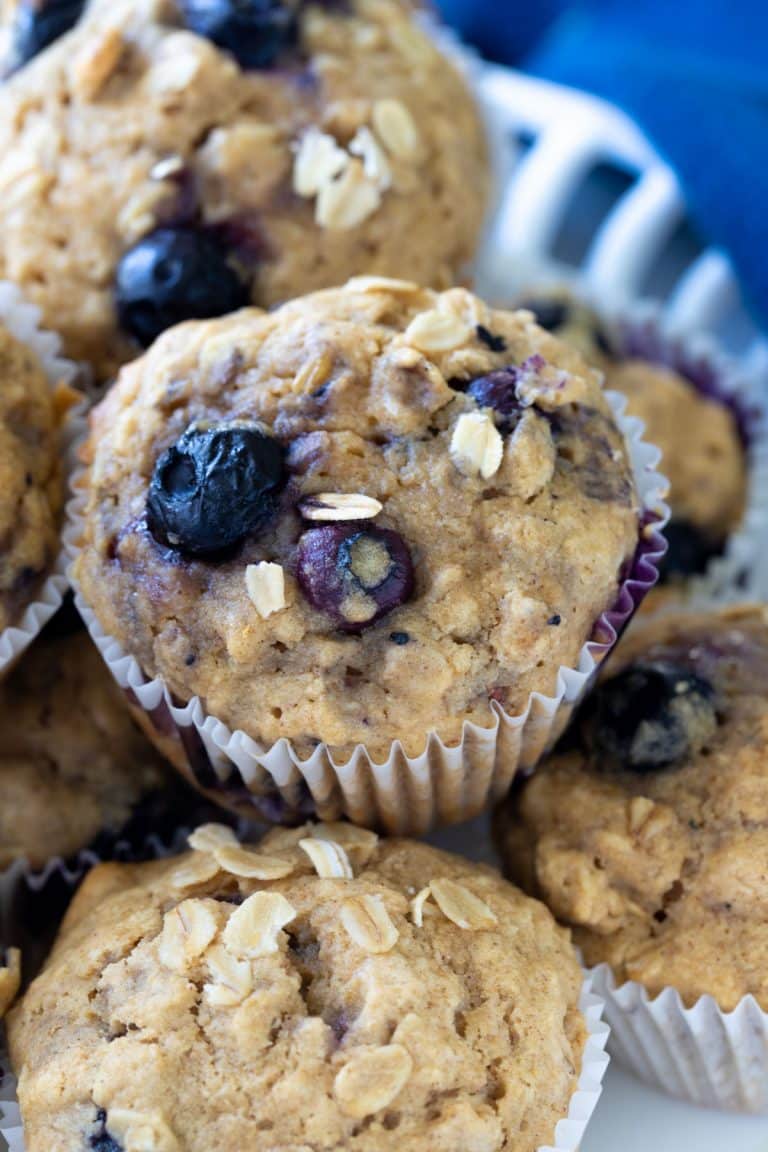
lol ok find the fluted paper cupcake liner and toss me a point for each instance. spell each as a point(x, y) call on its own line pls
point(22, 320)
point(568, 1132)
point(701, 1054)
point(741, 572)
point(404, 794)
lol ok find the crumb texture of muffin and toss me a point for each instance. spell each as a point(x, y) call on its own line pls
point(651, 838)
point(361, 994)
point(31, 477)
point(702, 454)
point(162, 161)
point(354, 519)
point(73, 765)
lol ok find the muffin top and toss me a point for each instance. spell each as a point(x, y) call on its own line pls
point(650, 837)
point(323, 990)
point(703, 454)
point(356, 518)
point(702, 457)
point(31, 476)
point(73, 765)
point(163, 161)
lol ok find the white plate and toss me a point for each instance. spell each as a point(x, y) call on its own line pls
point(633, 1118)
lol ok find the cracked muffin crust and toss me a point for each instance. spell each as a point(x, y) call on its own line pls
point(323, 990)
point(650, 838)
point(31, 476)
point(74, 768)
point(359, 518)
point(150, 174)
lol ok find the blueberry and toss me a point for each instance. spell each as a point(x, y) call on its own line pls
point(356, 575)
point(651, 716)
point(177, 274)
point(214, 487)
point(498, 390)
point(101, 1141)
point(689, 550)
point(37, 23)
point(254, 31)
point(494, 343)
point(550, 313)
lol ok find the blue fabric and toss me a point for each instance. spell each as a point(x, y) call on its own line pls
point(692, 73)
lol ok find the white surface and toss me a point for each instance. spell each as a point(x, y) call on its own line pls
point(633, 1118)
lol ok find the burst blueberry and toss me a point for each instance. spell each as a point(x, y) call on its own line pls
point(256, 32)
point(37, 24)
point(177, 274)
point(651, 716)
point(498, 390)
point(214, 487)
point(354, 574)
point(689, 550)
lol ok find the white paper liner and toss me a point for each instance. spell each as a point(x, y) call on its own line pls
point(405, 794)
point(701, 1054)
point(568, 1133)
point(22, 320)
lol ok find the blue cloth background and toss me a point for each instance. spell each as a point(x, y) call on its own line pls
point(692, 73)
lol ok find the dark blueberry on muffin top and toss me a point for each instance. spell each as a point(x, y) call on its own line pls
point(254, 31)
point(215, 486)
point(651, 716)
point(177, 274)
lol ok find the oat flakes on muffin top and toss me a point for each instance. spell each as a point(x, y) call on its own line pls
point(162, 160)
point(649, 837)
point(31, 476)
point(358, 518)
point(323, 990)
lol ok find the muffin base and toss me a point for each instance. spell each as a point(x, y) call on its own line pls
point(22, 321)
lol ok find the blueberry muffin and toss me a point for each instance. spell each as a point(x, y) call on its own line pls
point(703, 452)
point(324, 990)
point(10, 977)
point(74, 769)
point(649, 833)
point(356, 519)
point(162, 160)
point(32, 482)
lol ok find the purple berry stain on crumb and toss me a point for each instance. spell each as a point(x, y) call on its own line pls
point(498, 390)
point(177, 274)
point(651, 716)
point(555, 621)
point(399, 638)
point(354, 574)
point(215, 486)
point(255, 32)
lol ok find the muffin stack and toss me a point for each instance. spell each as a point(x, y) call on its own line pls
point(354, 563)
